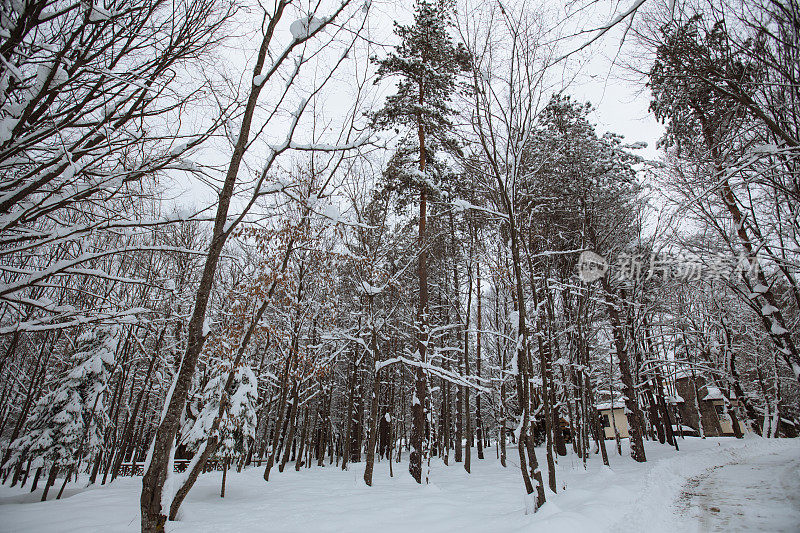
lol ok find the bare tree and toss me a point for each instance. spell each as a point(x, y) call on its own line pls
point(507, 86)
point(273, 60)
point(86, 133)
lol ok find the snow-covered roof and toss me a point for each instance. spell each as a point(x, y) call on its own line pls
point(674, 399)
point(714, 394)
point(605, 406)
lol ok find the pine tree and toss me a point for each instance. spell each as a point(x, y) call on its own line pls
point(197, 430)
point(68, 423)
point(427, 63)
point(705, 85)
point(589, 183)
point(238, 425)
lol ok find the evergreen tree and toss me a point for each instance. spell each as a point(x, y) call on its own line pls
point(427, 63)
point(196, 430)
point(238, 425)
point(573, 177)
point(68, 423)
point(706, 83)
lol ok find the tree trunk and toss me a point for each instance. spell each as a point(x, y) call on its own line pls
point(224, 476)
point(63, 485)
point(524, 367)
point(289, 439)
point(662, 403)
point(419, 398)
point(549, 384)
point(445, 432)
point(655, 420)
point(478, 419)
point(50, 480)
point(372, 439)
point(325, 428)
point(459, 420)
point(303, 436)
point(467, 413)
point(629, 390)
point(36, 478)
point(152, 514)
point(544, 366)
point(373, 429)
point(281, 414)
point(502, 416)
point(348, 437)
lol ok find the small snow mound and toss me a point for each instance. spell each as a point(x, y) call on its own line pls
point(777, 329)
point(259, 79)
point(302, 28)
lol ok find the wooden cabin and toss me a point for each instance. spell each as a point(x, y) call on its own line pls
point(611, 417)
point(717, 412)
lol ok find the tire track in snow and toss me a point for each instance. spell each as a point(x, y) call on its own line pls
point(756, 494)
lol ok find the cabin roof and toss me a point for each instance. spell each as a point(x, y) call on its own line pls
point(606, 406)
point(713, 393)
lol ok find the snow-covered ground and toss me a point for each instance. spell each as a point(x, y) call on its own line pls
point(671, 492)
point(759, 493)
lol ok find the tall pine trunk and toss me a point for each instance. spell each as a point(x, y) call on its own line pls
point(373, 410)
point(478, 419)
point(467, 414)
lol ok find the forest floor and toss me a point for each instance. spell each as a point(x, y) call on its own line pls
point(753, 483)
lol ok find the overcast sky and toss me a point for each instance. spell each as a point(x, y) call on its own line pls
point(600, 75)
point(596, 73)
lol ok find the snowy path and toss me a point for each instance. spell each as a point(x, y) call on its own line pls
point(759, 494)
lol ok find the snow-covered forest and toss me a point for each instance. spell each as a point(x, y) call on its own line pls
point(378, 254)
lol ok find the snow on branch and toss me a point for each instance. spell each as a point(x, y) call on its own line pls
point(602, 30)
point(448, 375)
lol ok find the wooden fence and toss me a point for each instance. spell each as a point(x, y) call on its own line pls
point(180, 465)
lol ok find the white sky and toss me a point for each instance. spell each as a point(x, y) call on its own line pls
point(622, 104)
